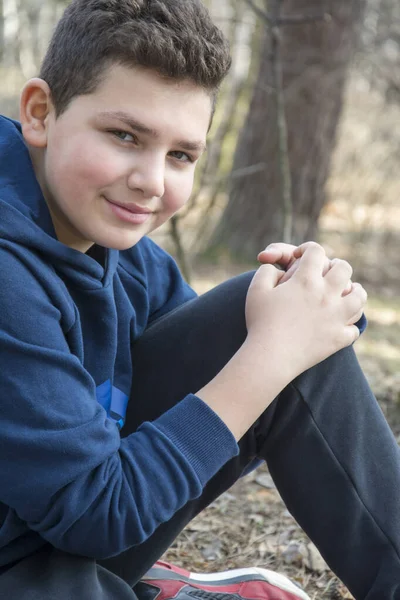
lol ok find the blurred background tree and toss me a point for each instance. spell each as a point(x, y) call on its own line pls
point(314, 58)
point(379, 58)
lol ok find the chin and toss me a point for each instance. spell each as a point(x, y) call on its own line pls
point(122, 243)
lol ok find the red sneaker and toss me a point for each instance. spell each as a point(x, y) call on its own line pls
point(165, 582)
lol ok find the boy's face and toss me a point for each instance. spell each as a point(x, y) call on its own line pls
point(119, 162)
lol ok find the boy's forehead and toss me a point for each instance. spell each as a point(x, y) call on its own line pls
point(119, 80)
point(143, 98)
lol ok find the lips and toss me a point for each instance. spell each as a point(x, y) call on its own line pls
point(130, 213)
point(132, 208)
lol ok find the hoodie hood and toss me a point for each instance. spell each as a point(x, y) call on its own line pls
point(25, 218)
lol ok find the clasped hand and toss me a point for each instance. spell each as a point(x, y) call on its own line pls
point(309, 310)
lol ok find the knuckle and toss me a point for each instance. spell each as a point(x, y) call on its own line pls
point(356, 317)
point(361, 291)
point(314, 246)
point(352, 334)
point(336, 261)
point(263, 275)
point(348, 266)
point(343, 262)
point(307, 281)
point(266, 269)
point(344, 265)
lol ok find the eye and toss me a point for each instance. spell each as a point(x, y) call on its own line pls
point(182, 156)
point(124, 136)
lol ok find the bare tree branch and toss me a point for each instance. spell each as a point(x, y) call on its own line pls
point(218, 186)
point(180, 251)
point(260, 12)
point(273, 20)
point(300, 19)
point(245, 171)
point(283, 153)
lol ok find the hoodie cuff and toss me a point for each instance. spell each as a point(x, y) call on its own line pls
point(200, 435)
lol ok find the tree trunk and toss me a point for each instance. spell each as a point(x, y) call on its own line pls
point(1, 30)
point(315, 57)
point(10, 32)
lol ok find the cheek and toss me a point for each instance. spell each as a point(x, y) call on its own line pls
point(83, 166)
point(179, 191)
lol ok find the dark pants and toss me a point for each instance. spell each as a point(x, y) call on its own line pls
point(327, 445)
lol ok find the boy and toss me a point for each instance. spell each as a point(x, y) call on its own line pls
point(93, 314)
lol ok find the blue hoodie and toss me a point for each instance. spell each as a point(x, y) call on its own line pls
point(66, 329)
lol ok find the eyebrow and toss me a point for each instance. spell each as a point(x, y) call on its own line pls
point(141, 128)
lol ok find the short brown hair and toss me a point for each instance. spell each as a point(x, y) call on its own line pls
point(176, 38)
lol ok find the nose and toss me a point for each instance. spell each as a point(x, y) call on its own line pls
point(148, 176)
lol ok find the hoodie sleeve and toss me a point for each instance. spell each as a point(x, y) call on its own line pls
point(63, 467)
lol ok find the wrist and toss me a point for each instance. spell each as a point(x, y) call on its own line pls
point(245, 387)
point(269, 360)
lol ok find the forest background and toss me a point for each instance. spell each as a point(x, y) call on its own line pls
point(305, 145)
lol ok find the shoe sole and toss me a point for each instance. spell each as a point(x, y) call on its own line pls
point(230, 577)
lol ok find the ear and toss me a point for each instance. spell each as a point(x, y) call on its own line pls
point(35, 108)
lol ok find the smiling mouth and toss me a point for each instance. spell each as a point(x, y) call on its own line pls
point(132, 208)
point(130, 213)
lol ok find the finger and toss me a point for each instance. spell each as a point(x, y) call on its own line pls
point(339, 274)
point(294, 266)
point(357, 288)
point(267, 277)
point(352, 333)
point(356, 317)
point(348, 289)
point(354, 303)
point(312, 262)
point(299, 251)
point(290, 271)
point(278, 253)
point(327, 266)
